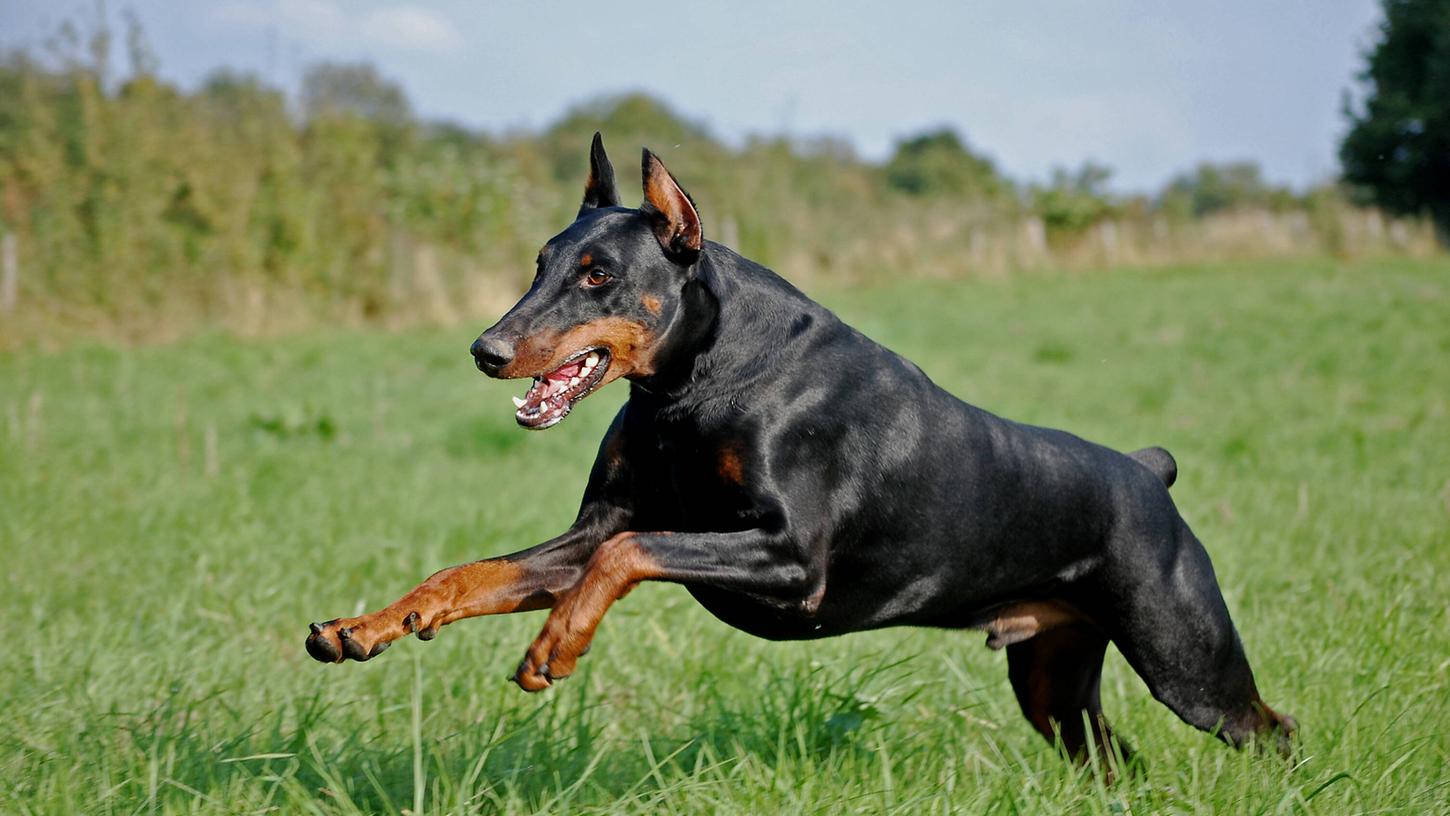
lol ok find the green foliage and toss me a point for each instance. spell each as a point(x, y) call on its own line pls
point(1075, 200)
point(144, 210)
point(331, 90)
point(937, 163)
point(627, 120)
point(1398, 145)
point(173, 517)
point(1212, 188)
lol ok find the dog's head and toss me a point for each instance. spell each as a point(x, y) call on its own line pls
point(606, 293)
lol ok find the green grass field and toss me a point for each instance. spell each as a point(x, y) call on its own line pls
point(171, 518)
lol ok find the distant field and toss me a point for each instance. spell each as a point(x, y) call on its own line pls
point(171, 518)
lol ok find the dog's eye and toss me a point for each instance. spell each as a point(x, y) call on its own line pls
point(596, 277)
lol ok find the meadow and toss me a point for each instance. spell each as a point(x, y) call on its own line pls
point(172, 517)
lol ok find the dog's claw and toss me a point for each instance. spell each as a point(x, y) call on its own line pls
point(530, 682)
point(320, 647)
point(410, 623)
point(351, 648)
point(343, 643)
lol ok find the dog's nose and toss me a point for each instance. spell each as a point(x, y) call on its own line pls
point(491, 354)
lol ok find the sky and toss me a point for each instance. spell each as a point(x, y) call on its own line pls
point(1148, 88)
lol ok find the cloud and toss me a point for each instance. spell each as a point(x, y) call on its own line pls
point(400, 27)
point(411, 27)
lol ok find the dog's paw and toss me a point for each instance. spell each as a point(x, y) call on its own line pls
point(542, 665)
point(531, 676)
point(555, 653)
point(361, 638)
point(1283, 735)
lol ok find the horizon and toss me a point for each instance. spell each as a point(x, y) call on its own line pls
point(1172, 88)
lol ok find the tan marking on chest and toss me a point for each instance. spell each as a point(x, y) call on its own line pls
point(729, 466)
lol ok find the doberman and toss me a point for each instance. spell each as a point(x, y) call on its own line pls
point(802, 481)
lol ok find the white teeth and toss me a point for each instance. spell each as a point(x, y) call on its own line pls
point(553, 395)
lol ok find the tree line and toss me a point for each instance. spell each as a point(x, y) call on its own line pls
point(133, 203)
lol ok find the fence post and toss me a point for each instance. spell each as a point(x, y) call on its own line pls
point(9, 272)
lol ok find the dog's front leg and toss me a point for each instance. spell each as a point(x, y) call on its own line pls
point(530, 579)
point(755, 561)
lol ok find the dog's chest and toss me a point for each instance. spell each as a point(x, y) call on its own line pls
point(690, 483)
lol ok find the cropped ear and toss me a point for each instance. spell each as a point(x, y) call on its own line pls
point(599, 190)
point(671, 212)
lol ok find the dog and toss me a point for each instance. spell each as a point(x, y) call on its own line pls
point(802, 481)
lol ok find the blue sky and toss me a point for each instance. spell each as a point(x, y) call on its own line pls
point(1148, 88)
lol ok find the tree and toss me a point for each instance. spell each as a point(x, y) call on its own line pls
point(1212, 188)
point(339, 89)
point(628, 121)
point(352, 101)
point(1397, 149)
point(1074, 200)
point(938, 163)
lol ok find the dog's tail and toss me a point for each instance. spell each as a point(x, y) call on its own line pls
point(1159, 461)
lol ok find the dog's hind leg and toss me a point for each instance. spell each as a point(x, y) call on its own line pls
point(1171, 623)
point(1056, 674)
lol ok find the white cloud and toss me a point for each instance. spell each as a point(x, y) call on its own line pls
point(411, 27)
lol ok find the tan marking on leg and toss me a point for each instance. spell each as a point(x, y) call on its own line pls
point(1273, 728)
point(1056, 678)
point(616, 567)
point(490, 587)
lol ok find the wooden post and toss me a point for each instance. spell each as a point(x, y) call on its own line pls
point(9, 272)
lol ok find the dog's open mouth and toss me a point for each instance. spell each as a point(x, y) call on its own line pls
point(553, 394)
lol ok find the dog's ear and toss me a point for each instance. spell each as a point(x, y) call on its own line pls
point(599, 190)
point(671, 212)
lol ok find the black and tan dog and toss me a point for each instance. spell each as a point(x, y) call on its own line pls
point(802, 481)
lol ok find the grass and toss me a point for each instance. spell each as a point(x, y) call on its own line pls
point(172, 517)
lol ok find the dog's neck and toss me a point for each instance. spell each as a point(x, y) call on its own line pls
point(729, 305)
point(689, 334)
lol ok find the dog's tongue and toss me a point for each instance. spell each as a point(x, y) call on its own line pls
point(550, 384)
point(566, 372)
